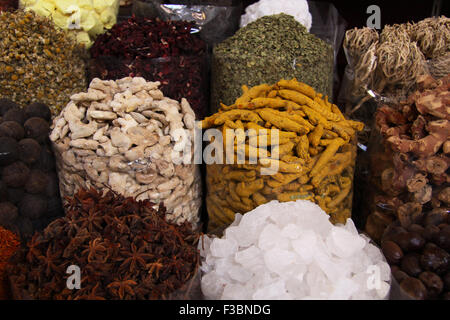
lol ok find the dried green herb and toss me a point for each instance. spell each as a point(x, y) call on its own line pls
point(38, 61)
point(267, 50)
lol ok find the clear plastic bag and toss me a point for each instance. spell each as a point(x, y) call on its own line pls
point(215, 20)
point(408, 158)
point(293, 158)
point(138, 145)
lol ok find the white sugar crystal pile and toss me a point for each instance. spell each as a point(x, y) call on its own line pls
point(291, 250)
point(297, 8)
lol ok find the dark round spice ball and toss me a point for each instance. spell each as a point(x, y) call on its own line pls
point(414, 288)
point(9, 150)
point(37, 182)
point(6, 105)
point(8, 213)
point(30, 150)
point(37, 128)
point(15, 114)
point(52, 188)
point(33, 206)
point(12, 129)
point(432, 282)
point(15, 195)
point(16, 175)
point(46, 160)
point(37, 109)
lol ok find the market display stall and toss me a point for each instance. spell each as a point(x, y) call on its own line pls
point(117, 161)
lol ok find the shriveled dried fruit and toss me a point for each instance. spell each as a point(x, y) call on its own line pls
point(36, 128)
point(29, 150)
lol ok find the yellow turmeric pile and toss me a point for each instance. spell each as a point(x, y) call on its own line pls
point(314, 147)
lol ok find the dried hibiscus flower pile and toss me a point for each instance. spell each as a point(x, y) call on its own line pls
point(164, 51)
point(410, 162)
point(124, 248)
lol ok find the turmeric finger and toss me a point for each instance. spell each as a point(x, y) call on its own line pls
point(329, 152)
point(298, 86)
point(302, 147)
point(244, 189)
point(315, 135)
point(235, 114)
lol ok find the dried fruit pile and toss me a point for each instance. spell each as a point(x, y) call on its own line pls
point(410, 160)
point(294, 130)
point(419, 255)
point(125, 250)
point(164, 51)
point(29, 191)
point(39, 62)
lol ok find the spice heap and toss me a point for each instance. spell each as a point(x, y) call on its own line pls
point(84, 18)
point(49, 72)
point(29, 194)
point(298, 9)
point(391, 62)
point(410, 160)
point(264, 52)
point(312, 150)
point(125, 250)
point(164, 51)
point(126, 136)
point(9, 244)
point(291, 251)
point(419, 255)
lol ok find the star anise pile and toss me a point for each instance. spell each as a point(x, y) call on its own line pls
point(124, 248)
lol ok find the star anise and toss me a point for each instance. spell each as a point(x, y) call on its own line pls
point(134, 258)
point(120, 287)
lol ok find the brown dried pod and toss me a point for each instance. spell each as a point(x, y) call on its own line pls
point(392, 252)
point(436, 217)
point(30, 150)
point(16, 175)
point(411, 264)
point(432, 282)
point(12, 129)
point(414, 288)
point(399, 275)
point(431, 232)
point(417, 229)
point(443, 239)
point(435, 259)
